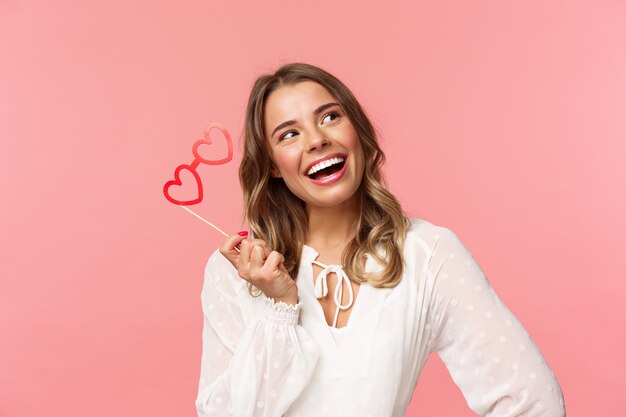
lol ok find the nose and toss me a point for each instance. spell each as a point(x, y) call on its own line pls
point(317, 141)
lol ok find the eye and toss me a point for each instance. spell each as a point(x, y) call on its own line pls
point(285, 135)
point(335, 114)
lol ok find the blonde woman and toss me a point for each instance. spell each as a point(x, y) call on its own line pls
point(331, 306)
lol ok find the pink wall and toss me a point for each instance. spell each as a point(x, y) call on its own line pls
point(513, 112)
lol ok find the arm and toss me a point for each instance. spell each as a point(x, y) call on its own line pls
point(489, 354)
point(249, 369)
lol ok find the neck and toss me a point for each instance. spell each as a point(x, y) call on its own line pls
point(332, 227)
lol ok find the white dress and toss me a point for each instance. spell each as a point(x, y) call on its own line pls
point(262, 358)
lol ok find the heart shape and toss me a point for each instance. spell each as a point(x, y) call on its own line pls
point(207, 141)
point(177, 182)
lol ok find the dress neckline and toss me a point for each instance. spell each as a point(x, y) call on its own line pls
point(338, 329)
point(320, 287)
point(310, 254)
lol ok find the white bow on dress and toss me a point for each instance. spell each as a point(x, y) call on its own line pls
point(321, 286)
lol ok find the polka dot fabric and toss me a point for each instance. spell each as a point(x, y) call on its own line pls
point(489, 354)
point(262, 358)
point(247, 362)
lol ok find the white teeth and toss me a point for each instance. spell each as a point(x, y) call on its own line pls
point(324, 164)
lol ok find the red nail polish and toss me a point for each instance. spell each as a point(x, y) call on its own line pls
point(243, 233)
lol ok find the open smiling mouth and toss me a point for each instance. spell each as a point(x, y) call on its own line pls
point(327, 168)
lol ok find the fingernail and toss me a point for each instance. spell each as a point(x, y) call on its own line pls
point(243, 233)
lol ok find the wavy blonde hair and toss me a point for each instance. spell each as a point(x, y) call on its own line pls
point(277, 216)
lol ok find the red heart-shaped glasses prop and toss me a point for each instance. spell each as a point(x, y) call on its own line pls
point(200, 144)
point(198, 159)
point(178, 183)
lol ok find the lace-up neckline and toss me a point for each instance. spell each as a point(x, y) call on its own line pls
point(321, 287)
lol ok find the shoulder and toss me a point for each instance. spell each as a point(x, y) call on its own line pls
point(423, 236)
point(437, 253)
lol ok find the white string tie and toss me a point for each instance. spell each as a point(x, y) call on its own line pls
point(321, 287)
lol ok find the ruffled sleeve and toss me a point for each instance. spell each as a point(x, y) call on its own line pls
point(488, 353)
point(254, 367)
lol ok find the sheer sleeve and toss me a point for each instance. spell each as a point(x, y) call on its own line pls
point(488, 353)
point(254, 368)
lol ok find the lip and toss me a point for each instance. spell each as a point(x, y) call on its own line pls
point(323, 158)
point(331, 179)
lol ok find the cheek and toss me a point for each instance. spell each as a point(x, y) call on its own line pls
point(354, 143)
point(287, 161)
point(352, 140)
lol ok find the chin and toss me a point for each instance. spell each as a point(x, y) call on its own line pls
point(337, 199)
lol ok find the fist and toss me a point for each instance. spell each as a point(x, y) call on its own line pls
point(261, 267)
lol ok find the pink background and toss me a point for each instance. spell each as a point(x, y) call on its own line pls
point(502, 120)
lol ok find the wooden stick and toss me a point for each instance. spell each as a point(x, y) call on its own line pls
point(208, 222)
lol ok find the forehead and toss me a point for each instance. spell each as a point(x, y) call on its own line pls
point(293, 101)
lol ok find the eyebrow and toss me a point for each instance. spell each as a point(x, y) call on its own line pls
point(316, 112)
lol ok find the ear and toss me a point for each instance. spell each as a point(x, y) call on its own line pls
point(275, 173)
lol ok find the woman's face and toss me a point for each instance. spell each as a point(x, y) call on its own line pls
point(313, 145)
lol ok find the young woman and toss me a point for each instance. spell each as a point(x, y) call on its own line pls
point(334, 306)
